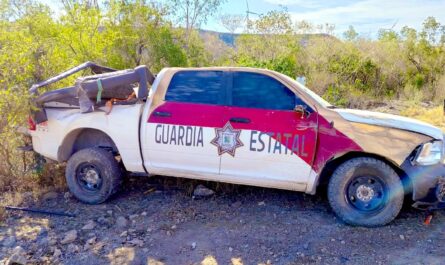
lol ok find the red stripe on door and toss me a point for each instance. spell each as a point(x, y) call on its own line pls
point(329, 142)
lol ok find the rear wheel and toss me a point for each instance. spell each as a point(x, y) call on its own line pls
point(93, 175)
point(366, 192)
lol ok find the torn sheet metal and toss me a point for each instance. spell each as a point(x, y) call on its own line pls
point(390, 121)
point(107, 82)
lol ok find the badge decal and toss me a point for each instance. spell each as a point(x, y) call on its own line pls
point(227, 139)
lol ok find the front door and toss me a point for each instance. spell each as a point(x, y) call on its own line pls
point(267, 142)
point(180, 130)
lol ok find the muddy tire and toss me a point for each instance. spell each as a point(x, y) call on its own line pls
point(365, 192)
point(93, 175)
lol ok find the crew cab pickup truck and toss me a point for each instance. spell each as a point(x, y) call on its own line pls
point(236, 125)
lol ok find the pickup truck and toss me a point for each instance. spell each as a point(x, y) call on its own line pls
point(235, 125)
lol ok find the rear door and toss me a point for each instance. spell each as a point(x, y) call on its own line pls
point(181, 128)
point(267, 142)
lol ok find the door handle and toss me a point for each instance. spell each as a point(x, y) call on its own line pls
point(162, 114)
point(239, 120)
point(305, 127)
point(302, 128)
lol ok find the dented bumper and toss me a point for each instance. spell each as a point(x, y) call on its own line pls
point(428, 184)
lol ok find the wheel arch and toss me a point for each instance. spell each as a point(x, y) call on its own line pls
point(335, 162)
point(82, 138)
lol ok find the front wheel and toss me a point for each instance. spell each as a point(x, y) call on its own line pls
point(365, 192)
point(93, 175)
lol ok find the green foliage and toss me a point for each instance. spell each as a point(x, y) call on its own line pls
point(350, 34)
point(271, 43)
point(35, 44)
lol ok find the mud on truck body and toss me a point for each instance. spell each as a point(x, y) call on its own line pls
point(236, 125)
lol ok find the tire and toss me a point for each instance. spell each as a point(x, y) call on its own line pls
point(93, 175)
point(365, 192)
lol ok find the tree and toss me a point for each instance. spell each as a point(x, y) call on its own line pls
point(387, 35)
point(350, 34)
point(431, 30)
point(192, 13)
point(232, 22)
point(271, 43)
point(304, 27)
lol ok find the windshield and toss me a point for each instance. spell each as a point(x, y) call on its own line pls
point(311, 93)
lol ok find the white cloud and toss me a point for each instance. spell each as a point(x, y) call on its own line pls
point(310, 4)
point(370, 15)
point(302, 3)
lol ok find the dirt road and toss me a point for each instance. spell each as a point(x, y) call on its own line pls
point(150, 223)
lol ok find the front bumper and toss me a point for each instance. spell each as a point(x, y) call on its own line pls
point(428, 184)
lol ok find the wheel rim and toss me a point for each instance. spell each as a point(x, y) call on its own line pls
point(367, 194)
point(89, 177)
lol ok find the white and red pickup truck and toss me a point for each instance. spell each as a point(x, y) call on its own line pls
point(237, 125)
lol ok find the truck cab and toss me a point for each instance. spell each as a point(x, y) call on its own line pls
point(244, 126)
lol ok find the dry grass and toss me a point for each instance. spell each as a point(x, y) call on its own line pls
point(19, 191)
point(434, 116)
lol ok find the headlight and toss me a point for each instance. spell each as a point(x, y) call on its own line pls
point(430, 153)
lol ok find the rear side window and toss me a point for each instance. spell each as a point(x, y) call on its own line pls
point(196, 87)
point(253, 90)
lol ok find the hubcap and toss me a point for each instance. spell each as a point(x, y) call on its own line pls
point(366, 193)
point(89, 177)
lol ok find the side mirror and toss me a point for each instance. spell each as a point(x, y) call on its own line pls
point(302, 109)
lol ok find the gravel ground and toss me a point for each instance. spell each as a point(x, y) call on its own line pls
point(153, 223)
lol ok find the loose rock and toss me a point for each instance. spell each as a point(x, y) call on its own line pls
point(133, 216)
point(136, 242)
point(90, 225)
point(50, 195)
point(18, 257)
point(202, 191)
point(52, 241)
point(9, 242)
point(57, 253)
point(70, 237)
point(236, 204)
point(72, 248)
point(91, 241)
point(121, 222)
point(67, 195)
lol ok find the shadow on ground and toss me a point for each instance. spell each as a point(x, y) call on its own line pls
point(156, 221)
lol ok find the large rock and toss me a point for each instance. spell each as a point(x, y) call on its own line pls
point(201, 191)
point(18, 257)
point(69, 238)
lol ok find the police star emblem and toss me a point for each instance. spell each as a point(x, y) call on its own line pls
point(227, 139)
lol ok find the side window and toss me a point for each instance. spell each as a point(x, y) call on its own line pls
point(253, 90)
point(196, 87)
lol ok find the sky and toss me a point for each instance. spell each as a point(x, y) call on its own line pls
point(366, 16)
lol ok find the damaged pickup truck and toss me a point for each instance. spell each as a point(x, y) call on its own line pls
point(236, 125)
